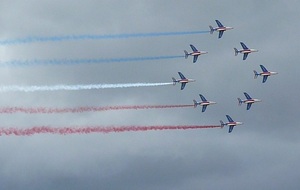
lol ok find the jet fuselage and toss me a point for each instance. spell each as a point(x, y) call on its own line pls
point(251, 101)
point(198, 53)
point(248, 50)
point(234, 123)
point(223, 28)
point(206, 103)
point(268, 73)
point(186, 80)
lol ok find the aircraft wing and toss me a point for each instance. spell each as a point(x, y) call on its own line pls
point(244, 46)
point(245, 56)
point(249, 106)
point(263, 68)
point(195, 58)
point(219, 23)
point(202, 98)
point(247, 96)
point(182, 85)
point(230, 129)
point(265, 78)
point(204, 108)
point(181, 75)
point(229, 118)
point(193, 48)
point(221, 33)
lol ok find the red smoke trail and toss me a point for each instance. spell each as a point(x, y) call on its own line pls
point(95, 129)
point(44, 110)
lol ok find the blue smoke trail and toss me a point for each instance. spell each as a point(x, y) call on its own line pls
point(36, 39)
point(81, 61)
point(16, 88)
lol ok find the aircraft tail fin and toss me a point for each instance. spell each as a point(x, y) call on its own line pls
point(255, 74)
point(186, 54)
point(222, 123)
point(174, 80)
point(240, 101)
point(236, 51)
point(195, 103)
point(211, 30)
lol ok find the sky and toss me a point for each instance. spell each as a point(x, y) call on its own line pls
point(260, 154)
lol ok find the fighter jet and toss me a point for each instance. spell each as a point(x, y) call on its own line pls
point(195, 53)
point(265, 73)
point(220, 28)
point(245, 51)
point(230, 123)
point(249, 101)
point(183, 80)
point(204, 103)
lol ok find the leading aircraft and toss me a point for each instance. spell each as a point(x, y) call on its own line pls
point(195, 53)
point(220, 28)
point(265, 73)
point(182, 80)
point(230, 123)
point(249, 101)
point(245, 51)
point(204, 103)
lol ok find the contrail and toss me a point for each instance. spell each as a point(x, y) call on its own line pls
point(16, 88)
point(82, 61)
point(96, 129)
point(45, 110)
point(36, 39)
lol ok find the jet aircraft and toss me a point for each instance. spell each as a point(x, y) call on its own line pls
point(221, 28)
point(265, 73)
point(182, 80)
point(245, 51)
point(249, 101)
point(195, 53)
point(230, 123)
point(204, 103)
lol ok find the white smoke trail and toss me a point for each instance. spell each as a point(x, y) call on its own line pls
point(16, 88)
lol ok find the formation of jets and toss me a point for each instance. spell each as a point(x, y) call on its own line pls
point(245, 51)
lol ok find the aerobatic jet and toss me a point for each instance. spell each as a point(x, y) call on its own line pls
point(265, 73)
point(245, 51)
point(204, 103)
point(195, 53)
point(182, 80)
point(249, 101)
point(221, 28)
point(230, 123)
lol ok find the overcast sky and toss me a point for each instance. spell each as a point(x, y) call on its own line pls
point(261, 154)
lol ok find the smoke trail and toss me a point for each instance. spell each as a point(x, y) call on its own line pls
point(44, 110)
point(96, 129)
point(36, 39)
point(82, 61)
point(15, 88)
